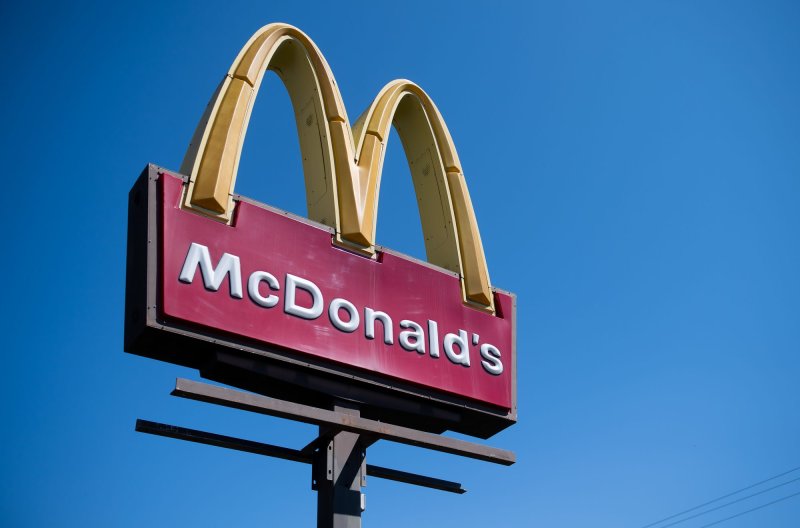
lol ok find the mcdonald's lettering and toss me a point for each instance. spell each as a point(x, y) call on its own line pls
point(313, 306)
point(456, 345)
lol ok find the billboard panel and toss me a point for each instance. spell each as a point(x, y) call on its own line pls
point(271, 286)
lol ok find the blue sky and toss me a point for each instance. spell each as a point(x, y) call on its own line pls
point(635, 171)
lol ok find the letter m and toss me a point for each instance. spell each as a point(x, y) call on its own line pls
point(212, 277)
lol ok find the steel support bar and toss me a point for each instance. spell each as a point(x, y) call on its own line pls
point(415, 479)
point(217, 440)
point(285, 453)
point(355, 424)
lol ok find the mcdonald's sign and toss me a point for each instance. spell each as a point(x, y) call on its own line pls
point(311, 309)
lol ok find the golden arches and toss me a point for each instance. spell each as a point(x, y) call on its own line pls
point(342, 168)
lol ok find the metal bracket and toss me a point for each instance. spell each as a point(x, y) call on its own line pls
point(338, 453)
point(285, 453)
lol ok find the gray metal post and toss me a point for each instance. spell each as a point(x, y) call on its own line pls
point(339, 474)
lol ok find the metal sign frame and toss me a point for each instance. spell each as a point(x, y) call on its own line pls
point(268, 370)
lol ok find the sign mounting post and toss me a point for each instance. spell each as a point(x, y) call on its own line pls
point(338, 482)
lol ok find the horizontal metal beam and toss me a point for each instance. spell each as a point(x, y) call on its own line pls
point(246, 401)
point(413, 478)
point(217, 440)
point(285, 453)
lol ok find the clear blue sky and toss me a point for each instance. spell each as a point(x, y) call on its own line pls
point(635, 169)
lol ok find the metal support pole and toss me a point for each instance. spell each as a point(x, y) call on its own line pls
point(338, 454)
point(339, 473)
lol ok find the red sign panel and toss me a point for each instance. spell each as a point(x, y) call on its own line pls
point(280, 281)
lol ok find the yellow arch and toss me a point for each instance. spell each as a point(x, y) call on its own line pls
point(342, 167)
